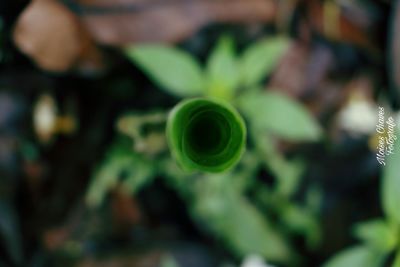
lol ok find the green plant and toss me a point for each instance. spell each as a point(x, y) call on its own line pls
point(206, 135)
point(380, 237)
point(234, 79)
point(218, 202)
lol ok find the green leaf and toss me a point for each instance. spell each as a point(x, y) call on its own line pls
point(391, 185)
point(313, 198)
point(119, 161)
point(378, 234)
point(260, 59)
point(300, 220)
point(359, 256)
point(236, 221)
point(280, 115)
point(222, 70)
point(173, 70)
point(206, 135)
point(287, 172)
point(396, 262)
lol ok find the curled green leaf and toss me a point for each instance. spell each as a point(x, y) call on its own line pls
point(206, 135)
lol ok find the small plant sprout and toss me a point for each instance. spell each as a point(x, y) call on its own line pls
point(206, 135)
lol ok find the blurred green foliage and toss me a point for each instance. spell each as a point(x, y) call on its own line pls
point(277, 114)
point(136, 172)
point(391, 186)
point(380, 237)
point(176, 71)
point(260, 59)
point(357, 256)
point(237, 208)
point(223, 70)
point(219, 203)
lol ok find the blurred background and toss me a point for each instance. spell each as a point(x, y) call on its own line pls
point(86, 178)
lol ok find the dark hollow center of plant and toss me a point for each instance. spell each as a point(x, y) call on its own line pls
point(207, 133)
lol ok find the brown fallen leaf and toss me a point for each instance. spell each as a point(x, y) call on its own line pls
point(328, 19)
point(124, 22)
point(54, 38)
point(58, 39)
